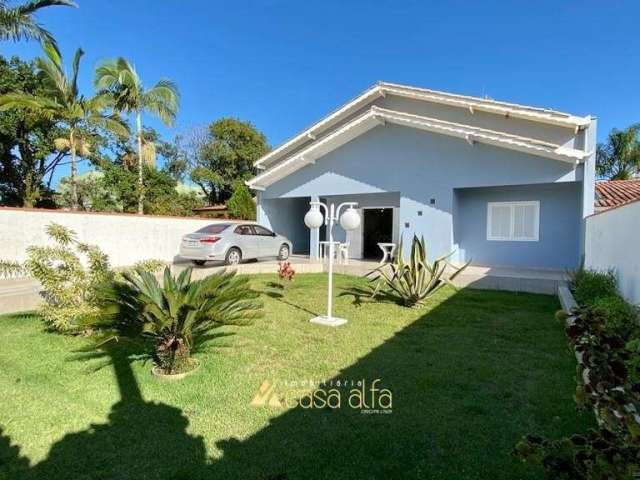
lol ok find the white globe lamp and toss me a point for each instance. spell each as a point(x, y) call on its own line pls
point(350, 220)
point(314, 218)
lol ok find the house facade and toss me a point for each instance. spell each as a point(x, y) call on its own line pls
point(501, 184)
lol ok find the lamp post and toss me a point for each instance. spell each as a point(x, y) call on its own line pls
point(349, 220)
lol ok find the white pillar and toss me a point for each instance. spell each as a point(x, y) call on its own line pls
point(314, 237)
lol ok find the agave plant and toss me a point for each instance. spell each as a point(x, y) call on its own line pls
point(414, 281)
point(178, 314)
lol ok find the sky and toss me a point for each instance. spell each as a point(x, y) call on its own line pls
point(285, 64)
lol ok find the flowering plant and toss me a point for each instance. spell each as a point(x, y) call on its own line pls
point(285, 271)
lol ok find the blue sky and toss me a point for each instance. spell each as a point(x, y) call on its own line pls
point(283, 65)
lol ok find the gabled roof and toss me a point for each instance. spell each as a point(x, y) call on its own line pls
point(614, 193)
point(376, 116)
point(535, 114)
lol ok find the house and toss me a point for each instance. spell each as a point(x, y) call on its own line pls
point(502, 184)
point(613, 193)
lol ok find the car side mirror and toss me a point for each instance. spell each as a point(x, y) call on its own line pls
point(273, 234)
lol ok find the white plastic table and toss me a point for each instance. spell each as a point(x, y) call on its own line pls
point(388, 249)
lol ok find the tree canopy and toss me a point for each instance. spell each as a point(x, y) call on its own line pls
point(28, 156)
point(223, 155)
point(619, 157)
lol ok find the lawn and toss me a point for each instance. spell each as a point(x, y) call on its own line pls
point(469, 375)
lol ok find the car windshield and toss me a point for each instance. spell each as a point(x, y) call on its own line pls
point(215, 228)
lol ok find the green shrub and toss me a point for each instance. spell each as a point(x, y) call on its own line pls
point(589, 285)
point(70, 272)
point(605, 335)
point(618, 315)
point(607, 382)
point(241, 204)
point(178, 314)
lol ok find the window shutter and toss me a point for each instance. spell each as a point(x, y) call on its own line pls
point(500, 221)
point(513, 221)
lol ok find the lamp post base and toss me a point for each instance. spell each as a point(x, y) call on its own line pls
point(328, 321)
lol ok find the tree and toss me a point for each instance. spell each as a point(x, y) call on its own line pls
point(175, 158)
point(619, 158)
point(18, 23)
point(27, 150)
point(241, 204)
point(118, 79)
point(224, 156)
point(93, 194)
point(163, 195)
point(62, 101)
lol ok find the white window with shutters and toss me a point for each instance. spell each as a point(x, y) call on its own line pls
point(513, 221)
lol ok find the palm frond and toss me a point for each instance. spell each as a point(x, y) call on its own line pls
point(41, 105)
point(113, 124)
point(35, 5)
point(162, 101)
point(75, 67)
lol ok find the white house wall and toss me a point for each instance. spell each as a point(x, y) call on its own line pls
point(612, 244)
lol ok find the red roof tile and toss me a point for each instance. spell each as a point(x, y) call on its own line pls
point(616, 192)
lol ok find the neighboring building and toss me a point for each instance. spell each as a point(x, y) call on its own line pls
point(613, 193)
point(502, 184)
point(212, 211)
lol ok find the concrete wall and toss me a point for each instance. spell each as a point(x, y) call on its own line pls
point(612, 242)
point(425, 168)
point(125, 238)
point(559, 235)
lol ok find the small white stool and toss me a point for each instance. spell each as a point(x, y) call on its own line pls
point(388, 249)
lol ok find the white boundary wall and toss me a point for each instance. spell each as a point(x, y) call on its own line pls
point(613, 242)
point(125, 238)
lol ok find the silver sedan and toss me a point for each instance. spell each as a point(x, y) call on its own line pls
point(232, 243)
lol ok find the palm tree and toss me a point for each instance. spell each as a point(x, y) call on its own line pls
point(619, 158)
point(17, 23)
point(120, 80)
point(65, 104)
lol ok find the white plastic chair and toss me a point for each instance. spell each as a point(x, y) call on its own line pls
point(343, 252)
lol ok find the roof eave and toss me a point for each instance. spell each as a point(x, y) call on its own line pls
point(473, 104)
point(376, 115)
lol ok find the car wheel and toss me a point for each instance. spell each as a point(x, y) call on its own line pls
point(199, 262)
point(283, 253)
point(233, 256)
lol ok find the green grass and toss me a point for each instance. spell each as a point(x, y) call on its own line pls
point(469, 374)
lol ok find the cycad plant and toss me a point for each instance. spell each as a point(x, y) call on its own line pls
point(65, 104)
point(118, 79)
point(413, 282)
point(179, 314)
